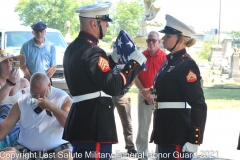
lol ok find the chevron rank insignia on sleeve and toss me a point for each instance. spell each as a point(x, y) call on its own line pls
point(103, 64)
point(191, 76)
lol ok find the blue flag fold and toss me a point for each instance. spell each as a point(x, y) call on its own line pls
point(125, 47)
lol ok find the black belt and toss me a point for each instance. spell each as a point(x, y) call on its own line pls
point(122, 93)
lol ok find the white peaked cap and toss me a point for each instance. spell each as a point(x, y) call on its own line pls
point(174, 26)
point(95, 10)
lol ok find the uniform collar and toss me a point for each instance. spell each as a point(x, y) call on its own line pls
point(88, 36)
point(175, 55)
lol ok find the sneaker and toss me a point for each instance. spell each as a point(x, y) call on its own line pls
point(132, 151)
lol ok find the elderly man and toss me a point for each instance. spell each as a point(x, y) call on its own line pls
point(144, 81)
point(90, 126)
point(39, 53)
point(40, 131)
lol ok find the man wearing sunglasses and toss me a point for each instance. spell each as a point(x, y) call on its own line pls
point(88, 70)
point(144, 82)
point(40, 132)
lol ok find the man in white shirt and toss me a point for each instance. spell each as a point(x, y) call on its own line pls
point(42, 114)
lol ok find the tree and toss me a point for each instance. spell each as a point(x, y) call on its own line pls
point(54, 13)
point(126, 16)
point(236, 37)
point(206, 49)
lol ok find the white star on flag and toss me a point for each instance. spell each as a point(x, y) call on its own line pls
point(120, 42)
point(130, 43)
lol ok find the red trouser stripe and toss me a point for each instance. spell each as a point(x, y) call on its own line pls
point(178, 149)
point(97, 150)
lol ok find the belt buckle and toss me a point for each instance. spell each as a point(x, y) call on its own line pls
point(156, 105)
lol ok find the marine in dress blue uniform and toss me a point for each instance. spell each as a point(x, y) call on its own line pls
point(90, 126)
point(180, 115)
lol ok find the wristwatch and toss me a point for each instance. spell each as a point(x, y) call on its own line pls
point(10, 83)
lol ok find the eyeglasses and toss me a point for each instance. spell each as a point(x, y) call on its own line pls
point(151, 40)
point(37, 95)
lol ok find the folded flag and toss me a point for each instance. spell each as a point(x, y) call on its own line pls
point(125, 47)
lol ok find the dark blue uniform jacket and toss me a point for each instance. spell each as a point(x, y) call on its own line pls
point(179, 81)
point(88, 69)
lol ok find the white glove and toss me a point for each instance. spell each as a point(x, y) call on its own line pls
point(138, 56)
point(115, 56)
point(189, 147)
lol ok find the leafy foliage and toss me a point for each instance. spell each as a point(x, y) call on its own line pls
point(236, 38)
point(54, 13)
point(206, 49)
point(126, 16)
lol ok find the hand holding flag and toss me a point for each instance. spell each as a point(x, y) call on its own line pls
point(125, 47)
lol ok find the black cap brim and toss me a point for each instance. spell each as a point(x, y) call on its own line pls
point(105, 18)
point(170, 30)
point(108, 19)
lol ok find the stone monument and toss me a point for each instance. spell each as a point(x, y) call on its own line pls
point(228, 51)
point(67, 37)
point(216, 56)
point(152, 21)
point(227, 54)
point(235, 74)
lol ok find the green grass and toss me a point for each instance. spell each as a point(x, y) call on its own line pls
point(215, 98)
point(222, 98)
point(222, 94)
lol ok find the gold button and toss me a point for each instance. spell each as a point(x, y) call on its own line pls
point(130, 66)
point(196, 141)
point(196, 129)
point(109, 106)
point(134, 62)
point(126, 71)
point(196, 135)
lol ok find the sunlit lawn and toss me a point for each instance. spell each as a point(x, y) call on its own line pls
point(215, 98)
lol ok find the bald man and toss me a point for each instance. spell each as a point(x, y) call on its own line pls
point(40, 131)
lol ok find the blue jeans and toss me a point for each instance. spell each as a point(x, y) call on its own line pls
point(12, 137)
